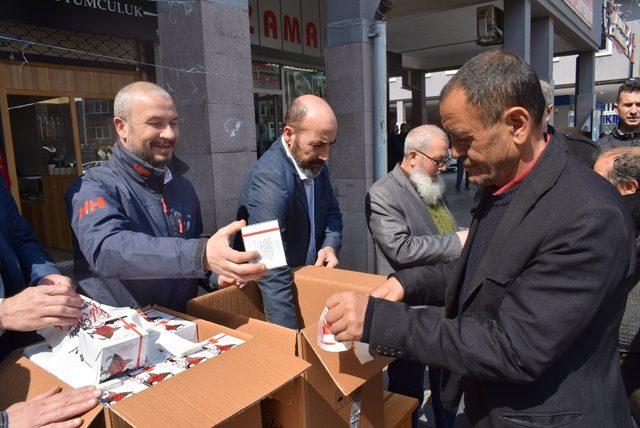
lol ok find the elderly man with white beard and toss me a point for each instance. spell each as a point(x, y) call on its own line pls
point(411, 225)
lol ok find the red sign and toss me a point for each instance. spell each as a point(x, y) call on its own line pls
point(288, 25)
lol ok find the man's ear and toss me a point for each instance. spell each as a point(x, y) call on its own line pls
point(122, 127)
point(628, 187)
point(615, 107)
point(518, 121)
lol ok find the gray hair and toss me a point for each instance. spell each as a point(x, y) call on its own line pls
point(122, 102)
point(625, 169)
point(547, 91)
point(420, 138)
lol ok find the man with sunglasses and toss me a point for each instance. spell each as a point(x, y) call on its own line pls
point(411, 225)
point(290, 183)
point(627, 133)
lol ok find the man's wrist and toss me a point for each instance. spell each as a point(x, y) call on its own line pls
point(2, 328)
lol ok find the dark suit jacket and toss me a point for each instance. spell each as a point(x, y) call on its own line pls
point(534, 341)
point(22, 259)
point(402, 228)
point(273, 191)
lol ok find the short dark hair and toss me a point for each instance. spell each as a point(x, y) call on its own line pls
point(625, 168)
point(630, 85)
point(495, 81)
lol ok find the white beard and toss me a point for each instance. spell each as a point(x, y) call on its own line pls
point(429, 190)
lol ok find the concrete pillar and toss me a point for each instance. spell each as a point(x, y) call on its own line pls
point(517, 28)
point(542, 48)
point(585, 86)
point(419, 104)
point(348, 59)
point(215, 104)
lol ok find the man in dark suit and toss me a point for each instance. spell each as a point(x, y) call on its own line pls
point(532, 307)
point(290, 183)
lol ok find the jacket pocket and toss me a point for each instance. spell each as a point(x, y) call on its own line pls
point(557, 419)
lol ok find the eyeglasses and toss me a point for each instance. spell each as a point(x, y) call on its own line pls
point(439, 163)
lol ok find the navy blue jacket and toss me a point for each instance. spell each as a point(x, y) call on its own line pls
point(136, 239)
point(273, 191)
point(22, 259)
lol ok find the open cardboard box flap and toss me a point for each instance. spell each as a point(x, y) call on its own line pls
point(326, 276)
point(344, 367)
point(314, 285)
point(207, 394)
point(215, 390)
point(246, 301)
point(23, 380)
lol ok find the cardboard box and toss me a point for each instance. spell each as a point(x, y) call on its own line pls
point(225, 390)
point(398, 409)
point(337, 390)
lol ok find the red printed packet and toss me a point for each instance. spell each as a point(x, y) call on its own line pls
point(156, 373)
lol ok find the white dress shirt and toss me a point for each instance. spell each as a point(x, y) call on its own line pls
point(310, 191)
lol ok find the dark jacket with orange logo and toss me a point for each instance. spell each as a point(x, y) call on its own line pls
point(136, 238)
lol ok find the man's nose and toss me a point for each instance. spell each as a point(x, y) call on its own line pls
point(323, 155)
point(169, 132)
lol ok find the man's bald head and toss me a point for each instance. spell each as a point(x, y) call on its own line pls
point(310, 127)
point(126, 95)
point(308, 106)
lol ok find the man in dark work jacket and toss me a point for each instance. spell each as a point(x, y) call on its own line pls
point(532, 307)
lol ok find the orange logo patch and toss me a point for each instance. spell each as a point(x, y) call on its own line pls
point(90, 206)
point(141, 170)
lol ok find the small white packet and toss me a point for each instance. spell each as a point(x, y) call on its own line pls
point(265, 238)
point(326, 340)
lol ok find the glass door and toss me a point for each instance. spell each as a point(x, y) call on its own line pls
point(269, 118)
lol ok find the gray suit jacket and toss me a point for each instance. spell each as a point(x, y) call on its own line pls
point(402, 228)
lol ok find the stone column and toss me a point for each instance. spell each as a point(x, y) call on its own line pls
point(214, 100)
point(419, 103)
point(542, 48)
point(348, 59)
point(517, 27)
point(585, 86)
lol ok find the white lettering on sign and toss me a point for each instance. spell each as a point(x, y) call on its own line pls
point(112, 6)
point(289, 25)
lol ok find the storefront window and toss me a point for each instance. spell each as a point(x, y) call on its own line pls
point(97, 134)
point(302, 81)
point(42, 140)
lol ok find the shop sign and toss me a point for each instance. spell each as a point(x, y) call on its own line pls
point(582, 8)
point(135, 19)
point(287, 25)
point(266, 76)
point(111, 6)
point(617, 29)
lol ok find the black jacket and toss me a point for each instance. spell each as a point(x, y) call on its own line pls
point(617, 138)
point(534, 342)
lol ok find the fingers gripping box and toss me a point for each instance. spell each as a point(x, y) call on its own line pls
point(113, 347)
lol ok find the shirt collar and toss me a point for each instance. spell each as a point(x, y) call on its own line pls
point(301, 174)
point(522, 175)
point(167, 175)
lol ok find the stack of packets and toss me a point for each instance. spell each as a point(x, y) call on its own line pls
point(152, 374)
point(122, 351)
